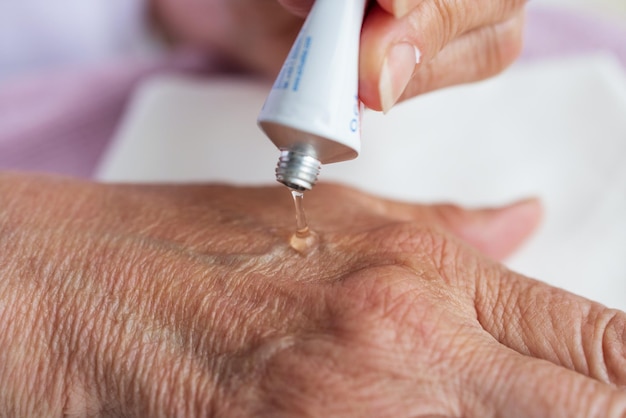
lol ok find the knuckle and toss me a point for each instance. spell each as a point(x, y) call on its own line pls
point(380, 309)
point(444, 18)
point(502, 45)
point(418, 245)
point(396, 295)
point(611, 346)
point(414, 238)
point(484, 52)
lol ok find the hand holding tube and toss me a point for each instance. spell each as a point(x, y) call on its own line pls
point(455, 41)
point(313, 113)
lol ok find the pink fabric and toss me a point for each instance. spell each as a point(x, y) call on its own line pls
point(62, 122)
point(556, 32)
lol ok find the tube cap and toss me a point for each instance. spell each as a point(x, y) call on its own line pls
point(297, 170)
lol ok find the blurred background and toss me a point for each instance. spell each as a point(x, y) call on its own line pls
point(616, 8)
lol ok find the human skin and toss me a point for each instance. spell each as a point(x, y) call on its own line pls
point(458, 41)
point(187, 301)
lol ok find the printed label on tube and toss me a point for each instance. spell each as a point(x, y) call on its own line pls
point(315, 96)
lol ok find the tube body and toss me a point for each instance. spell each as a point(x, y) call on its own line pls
point(313, 108)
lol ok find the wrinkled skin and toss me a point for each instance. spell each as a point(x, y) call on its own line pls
point(122, 300)
point(459, 40)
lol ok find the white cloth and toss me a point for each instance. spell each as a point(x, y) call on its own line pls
point(44, 34)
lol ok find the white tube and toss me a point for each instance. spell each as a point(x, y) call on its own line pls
point(312, 113)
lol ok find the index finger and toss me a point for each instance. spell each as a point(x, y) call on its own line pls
point(539, 320)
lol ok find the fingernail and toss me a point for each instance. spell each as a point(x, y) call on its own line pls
point(396, 73)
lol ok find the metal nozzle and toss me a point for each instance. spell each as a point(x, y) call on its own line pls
point(297, 169)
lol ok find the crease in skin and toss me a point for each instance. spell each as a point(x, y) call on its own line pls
point(241, 372)
point(278, 254)
point(80, 401)
point(598, 354)
point(194, 253)
point(270, 348)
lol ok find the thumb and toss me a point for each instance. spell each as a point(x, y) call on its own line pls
point(496, 232)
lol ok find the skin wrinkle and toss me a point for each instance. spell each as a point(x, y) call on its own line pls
point(526, 315)
point(565, 354)
point(501, 386)
point(469, 394)
point(181, 391)
point(107, 348)
point(249, 318)
point(65, 346)
point(553, 350)
point(442, 254)
point(600, 349)
point(447, 262)
point(253, 365)
point(412, 242)
point(470, 49)
point(301, 403)
point(486, 296)
point(26, 309)
point(298, 400)
point(114, 293)
point(448, 15)
point(131, 354)
point(379, 300)
point(504, 43)
point(127, 274)
point(615, 333)
point(512, 308)
point(559, 353)
point(8, 367)
point(451, 20)
point(459, 354)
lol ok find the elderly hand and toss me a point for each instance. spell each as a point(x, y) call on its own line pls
point(407, 46)
point(186, 301)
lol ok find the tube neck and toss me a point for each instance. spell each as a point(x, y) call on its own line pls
point(298, 168)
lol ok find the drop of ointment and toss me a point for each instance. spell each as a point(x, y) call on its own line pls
point(303, 240)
